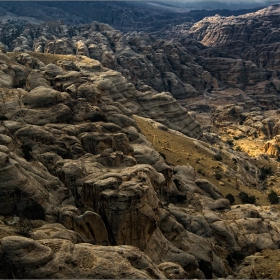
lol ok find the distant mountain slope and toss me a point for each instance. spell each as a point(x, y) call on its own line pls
point(162, 65)
point(261, 27)
point(183, 67)
point(253, 36)
point(125, 16)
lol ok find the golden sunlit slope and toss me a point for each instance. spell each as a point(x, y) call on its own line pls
point(181, 150)
point(48, 58)
point(45, 57)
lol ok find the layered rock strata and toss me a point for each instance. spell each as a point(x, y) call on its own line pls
point(72, 154)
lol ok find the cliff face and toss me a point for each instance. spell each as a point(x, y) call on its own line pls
point(260, 27)
point(253, 36)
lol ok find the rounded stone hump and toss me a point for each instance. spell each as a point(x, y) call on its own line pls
point(271, 10)
point(54, 231)
point(67, 65)
point(36, 79)
point(25, 251)
point(172, 270)
point(89, 92)
point(209, 189)
point(52, 70)
point(42, 97)
point(27, 60)
point(3, 159)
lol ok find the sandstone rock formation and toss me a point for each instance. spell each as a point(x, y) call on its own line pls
point(164, 66)
point(72, 154)
point(61, 258)
point(84, 186)
point(217, 30)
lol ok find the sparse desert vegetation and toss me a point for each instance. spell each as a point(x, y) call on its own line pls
point(183, 150)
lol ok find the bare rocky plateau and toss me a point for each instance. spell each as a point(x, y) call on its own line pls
point(111, 142)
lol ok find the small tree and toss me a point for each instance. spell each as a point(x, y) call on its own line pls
point(238, 149)
point(3, 118)
point(251, 199)
point(265, 171)
point(273, 198)
point(230, 197)
point(218, 176)
point(218, 157)
point(245, 198)
point(230, 142)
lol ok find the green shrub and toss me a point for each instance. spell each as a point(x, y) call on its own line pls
point(245, 198)
point(273, 197)
point(3, 118)
point(238, 149)
point(265, 171)
point(251, 199)
point(200, 171)
point(218, 176)
point(230, 142)
point(218, 157)
point(230, 197)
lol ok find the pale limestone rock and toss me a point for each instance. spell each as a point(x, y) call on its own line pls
point(59, 46)
point(209, 189)
point(42, 97)
point(172, 270)
point(81, 48)
point(54, 231)
point(63, 259)
point(27, 60)
point(36, 79)
point(26, 252)
point(6, 80)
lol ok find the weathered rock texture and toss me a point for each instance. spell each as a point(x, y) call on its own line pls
point(143, 60)
point(90, 188)
point(70, 153)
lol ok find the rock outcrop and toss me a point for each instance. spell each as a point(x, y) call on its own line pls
point(71, 153)
point(218, 30)
point(143, 60)
point(84, 186)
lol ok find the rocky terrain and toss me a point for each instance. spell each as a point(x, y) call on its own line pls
point(71, 153)
point(120, 148)
point(122, 15)
point(251, 37)
point(144, 61)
